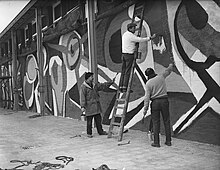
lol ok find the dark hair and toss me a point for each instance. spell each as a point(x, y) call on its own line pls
point(131, 25)
point(149, 72)
point(88, 74)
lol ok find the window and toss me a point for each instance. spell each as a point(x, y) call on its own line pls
point(34, 30)
point(69, 5)
point(56, 12)
point(44, 22)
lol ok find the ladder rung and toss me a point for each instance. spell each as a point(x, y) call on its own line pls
point(119, 107)
point(121, 100)
point(116, 124)
point(117, 115)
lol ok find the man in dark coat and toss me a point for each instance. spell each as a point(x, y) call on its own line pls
point(90, 104)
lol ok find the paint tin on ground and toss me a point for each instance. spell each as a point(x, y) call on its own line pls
point(83, 116)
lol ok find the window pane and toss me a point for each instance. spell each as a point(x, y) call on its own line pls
point(57, 12)
point(34, 28)
point(44, 21)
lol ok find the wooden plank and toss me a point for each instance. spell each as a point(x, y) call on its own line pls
point(14, 69)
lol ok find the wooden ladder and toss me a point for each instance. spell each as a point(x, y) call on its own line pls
point(122, 99)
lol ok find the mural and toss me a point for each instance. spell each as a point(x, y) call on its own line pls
point(188, 33)
point(196, 53)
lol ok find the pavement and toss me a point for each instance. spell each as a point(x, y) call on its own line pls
point(29, 141)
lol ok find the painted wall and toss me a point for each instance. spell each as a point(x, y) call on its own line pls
point(188, 32)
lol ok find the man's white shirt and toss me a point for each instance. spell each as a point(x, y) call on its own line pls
point(128, 42)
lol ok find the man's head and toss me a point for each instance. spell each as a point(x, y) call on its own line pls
point(131, 27)
point(150, 73)
point(89, 76)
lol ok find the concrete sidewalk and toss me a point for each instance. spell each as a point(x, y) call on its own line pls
point(37, 142)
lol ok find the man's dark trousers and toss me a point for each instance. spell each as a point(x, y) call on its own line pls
point(98, 121)
point(158, 106)
point(127, 60)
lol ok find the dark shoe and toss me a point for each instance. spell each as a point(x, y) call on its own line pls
point(103, 133)
point(89, 136)
point(155, 145)
point(168, 143)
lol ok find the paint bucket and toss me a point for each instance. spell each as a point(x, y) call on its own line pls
point(83, 116)
point(150, 136)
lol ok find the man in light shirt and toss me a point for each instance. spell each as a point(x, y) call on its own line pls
point(129, 39)
point(156, 91)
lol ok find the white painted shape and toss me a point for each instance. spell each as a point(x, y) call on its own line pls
point(83, 67)
point(37, 100)
point(138, 117)
point(214, 71)
point(213, 11)
point(194, 117)
point(54, 103)
point(215, 105)
point(189, 76)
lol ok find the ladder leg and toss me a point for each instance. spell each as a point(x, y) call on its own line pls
point(121, 129)
point(113, 116)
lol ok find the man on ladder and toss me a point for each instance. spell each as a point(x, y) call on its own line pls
point(130, 44)
point(129, 40)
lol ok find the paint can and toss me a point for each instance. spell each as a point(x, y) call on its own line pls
point(150, 136)
point(83, 116)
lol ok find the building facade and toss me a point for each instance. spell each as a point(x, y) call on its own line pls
point(188, 32)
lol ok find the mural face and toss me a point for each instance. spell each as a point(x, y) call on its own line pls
point(188, 33)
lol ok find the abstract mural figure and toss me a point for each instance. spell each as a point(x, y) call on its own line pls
point(31, 81)
point(64, 70)
point(57, 72)
point(209, 96)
